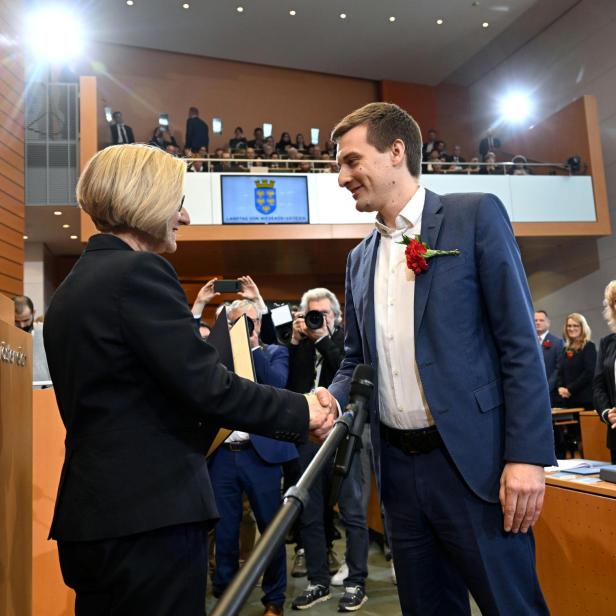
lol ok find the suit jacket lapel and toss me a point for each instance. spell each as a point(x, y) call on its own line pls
point(368, 290)
point(431, 220)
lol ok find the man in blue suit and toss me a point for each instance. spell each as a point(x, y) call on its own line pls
point(551, 347)
point(251, 464)
point(460, 423)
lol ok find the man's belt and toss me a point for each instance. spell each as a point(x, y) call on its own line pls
point(237, 445)
point(412, 441)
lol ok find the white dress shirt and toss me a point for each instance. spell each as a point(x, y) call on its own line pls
point(402, 402)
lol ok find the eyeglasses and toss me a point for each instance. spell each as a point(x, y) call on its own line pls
point(181, 203)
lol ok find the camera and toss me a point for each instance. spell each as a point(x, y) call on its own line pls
point(314, 319)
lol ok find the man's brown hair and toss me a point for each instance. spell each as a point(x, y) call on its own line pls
point(386, 122)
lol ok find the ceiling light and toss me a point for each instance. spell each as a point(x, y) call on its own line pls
point(186, 5)
point(240, 9)
point(57, 213)
point(66, 226)
point(440, 22)
point(130, 2)
point(516, 107)
point(392, 19)
point(343, 16)
point(292, 13)
point(485, 24)
point(73, 237)
point(25, 237)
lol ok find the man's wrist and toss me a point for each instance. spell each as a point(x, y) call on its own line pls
point(604, 415)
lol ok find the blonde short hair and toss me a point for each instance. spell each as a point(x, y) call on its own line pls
point(579, 343)
point(131, 187)
point(609, 305)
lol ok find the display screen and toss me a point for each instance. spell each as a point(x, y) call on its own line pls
point(264, 199)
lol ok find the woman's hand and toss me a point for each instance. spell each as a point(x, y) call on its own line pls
point(563, 392)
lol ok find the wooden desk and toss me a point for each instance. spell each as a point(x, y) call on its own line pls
point(594, 437)
point(576, 547)
point(556, 412)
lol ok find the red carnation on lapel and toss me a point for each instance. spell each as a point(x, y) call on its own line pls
point(569, 354)
point(418, 252)
point(547, 344)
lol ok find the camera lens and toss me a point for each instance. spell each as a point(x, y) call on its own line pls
point(313, 319)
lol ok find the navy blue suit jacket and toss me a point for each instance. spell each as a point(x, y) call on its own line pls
point(197, 134)
point(475, 342)
point(272, 368)
point(552, 354)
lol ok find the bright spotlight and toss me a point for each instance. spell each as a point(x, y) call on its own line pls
point(515, 107)
point(54, 34)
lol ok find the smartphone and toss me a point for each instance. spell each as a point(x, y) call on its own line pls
point(314, 136)
point(108, 115)
point(163, 119)
point(281, 315)
point(217, 126)
point(227, 286)
point(267, 129)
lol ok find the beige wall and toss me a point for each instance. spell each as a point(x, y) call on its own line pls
point(143, 82)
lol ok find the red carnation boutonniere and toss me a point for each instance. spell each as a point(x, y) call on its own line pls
point(570, 354)
point(418, 252)
point(547, 344)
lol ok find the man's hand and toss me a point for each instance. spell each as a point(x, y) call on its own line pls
point(249, 289)
point(322, 414)
point(610, 417)
point(563, 392)
point(316, 334)
point(299, 329)
point(522, 487)
point(205, 296)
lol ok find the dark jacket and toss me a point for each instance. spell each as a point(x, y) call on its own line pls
point(197, 134)
point(141, 396)
point(552, 348)
point(303, 357)
point(604, 386)
point(575, 372)
point(114, 134)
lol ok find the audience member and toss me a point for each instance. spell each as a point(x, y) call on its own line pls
point(300, 143)
point(161, 138)
point(257, 142)
point(239, 140)
point(488, 144)
point(604, 383)
point(551, 347)
point(251, 464)
point(441, 147)
point(25, 319)
point(519, 165)
point(456, 157)
point(330, 148)
point(120, 132)
point(475, 167)
point(435, 163)
point(576, 366)
point(197, 131)
point(490, 167)
point(317, 348)
point(429, 145)
point(195, 166)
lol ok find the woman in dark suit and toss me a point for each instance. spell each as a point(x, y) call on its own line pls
point(141, 395)
point(576, 366)
point(604, 384)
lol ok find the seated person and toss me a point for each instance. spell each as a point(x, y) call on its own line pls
point(238, 140)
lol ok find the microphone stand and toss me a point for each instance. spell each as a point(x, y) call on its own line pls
point(294, 501)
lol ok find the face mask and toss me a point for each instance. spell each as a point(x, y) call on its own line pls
point(27, 328)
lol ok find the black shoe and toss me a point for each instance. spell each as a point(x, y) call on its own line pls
point(352, 599)
point(299, 565)
point(314, 593)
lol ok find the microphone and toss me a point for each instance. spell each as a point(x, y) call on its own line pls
point(354, 416)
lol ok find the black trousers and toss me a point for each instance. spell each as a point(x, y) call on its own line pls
point(159, 573)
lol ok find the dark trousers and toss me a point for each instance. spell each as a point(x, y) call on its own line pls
point(159, 573)
point(447, 541)
point(233, 473)
point(352, 514)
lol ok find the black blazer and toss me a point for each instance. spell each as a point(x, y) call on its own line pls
point(576, 374)
point(552, 348)
point(604, 387)
point(141, 395)
point(302, 360)
point(114, 134)
point(197, 134)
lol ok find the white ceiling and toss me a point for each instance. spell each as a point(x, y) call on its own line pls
point(366, 44)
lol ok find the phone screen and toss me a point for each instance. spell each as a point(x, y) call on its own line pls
point(227, 286)
point(314, 135)
point(108, 114)
point(267, 129)
point(281, 315)
point(217, 126)
point(163, 119)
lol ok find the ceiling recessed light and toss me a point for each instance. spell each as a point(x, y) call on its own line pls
point(57, 213)
point(343, 16)
point(186, 5)
point(292, 13)
point(485, 24)
point(476, 3)
point(25, 237)
point(65, 226)
point(440, 22)
point(130, 2)
point(392, 19)
point(73, 237)
point(240, 9)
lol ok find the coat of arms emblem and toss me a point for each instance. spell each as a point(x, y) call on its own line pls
point(265, 196)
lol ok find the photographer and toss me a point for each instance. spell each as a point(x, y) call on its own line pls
point(316, 351)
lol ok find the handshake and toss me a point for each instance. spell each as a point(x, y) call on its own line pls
point(323, 410)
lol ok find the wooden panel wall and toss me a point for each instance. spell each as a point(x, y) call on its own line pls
point(11, 151)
